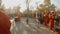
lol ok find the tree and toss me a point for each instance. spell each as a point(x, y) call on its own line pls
point(46, 6)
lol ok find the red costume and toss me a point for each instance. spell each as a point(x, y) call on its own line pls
point(51, 22)
point(19, 16)
point(46, 18)
point(4, 23)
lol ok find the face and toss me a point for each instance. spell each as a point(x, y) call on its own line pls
point(46, 12)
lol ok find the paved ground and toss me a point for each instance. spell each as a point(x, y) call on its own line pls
point(31, 28)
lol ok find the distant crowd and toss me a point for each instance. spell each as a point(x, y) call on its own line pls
point(49, 19)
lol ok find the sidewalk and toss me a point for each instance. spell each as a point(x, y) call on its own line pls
point(30, 28)
point(39, 27)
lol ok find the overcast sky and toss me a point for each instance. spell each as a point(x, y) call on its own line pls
point(22, 3)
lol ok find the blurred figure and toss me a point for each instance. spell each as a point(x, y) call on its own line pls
point(19, 16)
point(57, 31)
point(57, 20)
point(46, 18)
point(41, 18)
point(51, 20)
point(37, 17)
point(5, 23)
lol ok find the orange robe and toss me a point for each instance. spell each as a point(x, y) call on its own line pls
point(46, 19)
point(51, 22)
point(4, 23)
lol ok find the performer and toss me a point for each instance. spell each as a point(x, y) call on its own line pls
point(5, 23)
point(51, 18)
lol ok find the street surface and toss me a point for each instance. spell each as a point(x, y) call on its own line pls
point(31, 28)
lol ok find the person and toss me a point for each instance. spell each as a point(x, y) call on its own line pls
point(19, 16)
point(5, 23)
point(57, 31)
point(37, 17)
point(51, 20)
point(46, 18)
point(57, 20)
point(41, 18)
